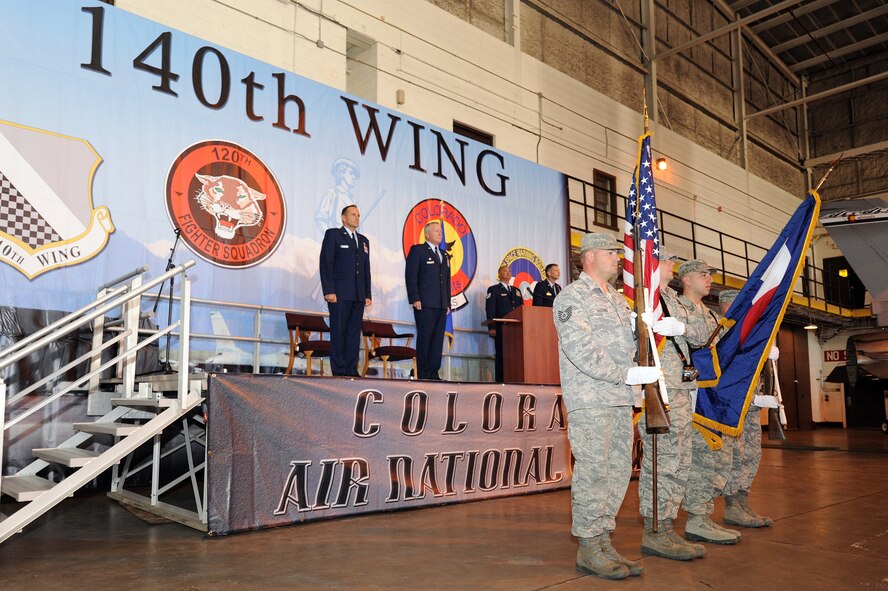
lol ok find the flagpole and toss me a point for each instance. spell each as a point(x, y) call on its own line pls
point(661, 422)
point(647, 125)
point(448, 318)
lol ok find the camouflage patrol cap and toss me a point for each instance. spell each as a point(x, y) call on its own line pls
point(599, 241)
point(693, 266)
point(665, 255)
point(728, 296)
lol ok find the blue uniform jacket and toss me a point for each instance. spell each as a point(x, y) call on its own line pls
point(544, 294)
point(500, 302)
point(345, 268)
point(427, 280)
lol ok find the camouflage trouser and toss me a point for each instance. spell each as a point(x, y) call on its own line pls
point(747, 454)
point(601, 442)
point(673, 460)
point(710, 471)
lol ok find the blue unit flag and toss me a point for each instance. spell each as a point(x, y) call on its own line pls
point(729, 372)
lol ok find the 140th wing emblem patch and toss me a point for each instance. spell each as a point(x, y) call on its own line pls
point(47, 218)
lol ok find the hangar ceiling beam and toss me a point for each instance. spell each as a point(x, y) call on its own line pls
point(820, 95)
point(830, 29)
point(726, 29)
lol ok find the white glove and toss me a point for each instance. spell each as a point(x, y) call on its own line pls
point(642, 375)
point(765, 401)
point(774, 354)
point(648, 317)
point(669, 327)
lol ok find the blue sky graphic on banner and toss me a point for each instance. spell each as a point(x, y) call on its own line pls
point(115, 130)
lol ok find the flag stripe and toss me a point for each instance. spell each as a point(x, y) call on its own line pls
point(641, 216)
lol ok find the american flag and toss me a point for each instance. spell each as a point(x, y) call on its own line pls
point(641, 209)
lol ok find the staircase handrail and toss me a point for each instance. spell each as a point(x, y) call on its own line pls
point(37, 385)
point(64, 319)
point(124, 277)
point(59, 328)
point(32, 409)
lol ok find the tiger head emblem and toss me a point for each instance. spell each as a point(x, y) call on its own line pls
point(231, 202)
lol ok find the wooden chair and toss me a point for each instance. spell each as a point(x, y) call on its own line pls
point(301, 327)
point(374, 333)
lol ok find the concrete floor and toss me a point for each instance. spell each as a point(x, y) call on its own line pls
point(831, 532)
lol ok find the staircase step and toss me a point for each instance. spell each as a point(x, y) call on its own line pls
point(119, 429)
point(144, 402)
point(25, 488)
point(73, 457)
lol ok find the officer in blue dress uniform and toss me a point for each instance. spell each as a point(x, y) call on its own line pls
point(345, 279)
point(544, 291)
point(427, 276)
point(502, 298)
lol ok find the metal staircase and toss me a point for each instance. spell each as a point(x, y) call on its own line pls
point(140, 412)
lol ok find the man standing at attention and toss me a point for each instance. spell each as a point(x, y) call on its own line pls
point(596, 349)
point(544, 291)
point(345, 279)
point(427, 277)
point(674, 447)
point(502, 298)
point(747, 448)
point(710, 468)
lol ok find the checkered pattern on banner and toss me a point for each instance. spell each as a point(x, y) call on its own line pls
point(19, 219)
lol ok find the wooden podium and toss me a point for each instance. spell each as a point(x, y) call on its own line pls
point(530, 347)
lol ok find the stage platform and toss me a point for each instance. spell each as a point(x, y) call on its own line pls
point(285, 449)
point(829, 508)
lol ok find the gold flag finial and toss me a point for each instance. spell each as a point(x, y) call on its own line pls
point(832, 167)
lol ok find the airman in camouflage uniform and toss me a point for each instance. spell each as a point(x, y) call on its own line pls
point(710, 469)
point(674, 447)
point(747, 452)
point(596, 350)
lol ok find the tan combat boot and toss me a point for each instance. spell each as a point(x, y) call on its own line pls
point(592, 561)
point(700, 528)
point(659, 544)
point(699, 550)
point(609, 552)
point(736, 514)
point(743, 498)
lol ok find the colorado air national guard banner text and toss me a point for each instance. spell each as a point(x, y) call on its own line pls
point(285, 450)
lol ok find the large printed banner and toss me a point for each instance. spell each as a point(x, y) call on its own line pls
point(117, 132)
point(286, 450)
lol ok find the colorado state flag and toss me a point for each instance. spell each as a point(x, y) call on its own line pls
point(729, 372)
